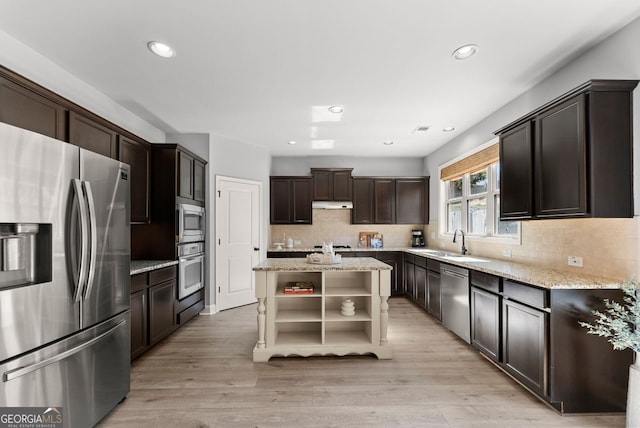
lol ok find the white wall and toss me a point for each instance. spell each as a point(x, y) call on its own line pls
point(198, 144)
point(362, 166)
point(23, 60)
point(617, 57)
point(235, 159)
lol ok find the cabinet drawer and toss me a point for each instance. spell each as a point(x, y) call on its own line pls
point(433, 265)
point(191, 312)
point(160, 275)
point(138, 282)
point(526, 294)
point(484, 280)
point(421, 261)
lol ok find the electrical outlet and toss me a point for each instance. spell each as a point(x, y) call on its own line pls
point(574, 261)
point(506, 252)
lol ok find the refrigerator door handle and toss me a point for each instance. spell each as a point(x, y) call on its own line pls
point(84, 239)
point(21, 371)
point(93, 236)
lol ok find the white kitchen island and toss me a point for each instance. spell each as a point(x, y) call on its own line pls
point(312, 324)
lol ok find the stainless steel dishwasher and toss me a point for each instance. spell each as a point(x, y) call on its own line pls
point(455, 300)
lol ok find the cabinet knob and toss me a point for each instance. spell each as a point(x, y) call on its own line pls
point(256, 249)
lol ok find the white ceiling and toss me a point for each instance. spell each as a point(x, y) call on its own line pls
point(253, 70)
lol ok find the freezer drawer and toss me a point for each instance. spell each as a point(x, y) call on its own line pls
point(86, 375)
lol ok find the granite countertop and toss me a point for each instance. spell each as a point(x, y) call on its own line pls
point(337, 250)
point(541, 277)
point(300, 264)
point(141, 266)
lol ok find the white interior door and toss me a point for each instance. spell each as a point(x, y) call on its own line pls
point(238, 238)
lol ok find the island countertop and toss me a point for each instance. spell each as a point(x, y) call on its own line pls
point(301, 264)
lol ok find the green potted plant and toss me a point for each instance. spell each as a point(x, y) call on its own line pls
point(620, 323)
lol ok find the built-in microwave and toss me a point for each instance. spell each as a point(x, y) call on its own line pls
point(191, 223)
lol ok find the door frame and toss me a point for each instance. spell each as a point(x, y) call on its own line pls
point(217, 216)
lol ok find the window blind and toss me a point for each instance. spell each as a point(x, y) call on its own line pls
point(471, 163)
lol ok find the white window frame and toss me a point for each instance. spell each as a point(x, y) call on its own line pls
point(490, 194)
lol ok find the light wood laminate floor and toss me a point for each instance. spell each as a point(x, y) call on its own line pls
point(203, 376)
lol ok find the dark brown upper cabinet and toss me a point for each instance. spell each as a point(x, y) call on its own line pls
point(412, 200)
point(185, 175)
point(26, 109)
point(362, 212)
point(90, 135)
point(331, 184)
point(516, 173)
point(137, 155)
point(384, 201)
point(290, 200)
point(388, 200)
point(199, 181)
point(572, 157)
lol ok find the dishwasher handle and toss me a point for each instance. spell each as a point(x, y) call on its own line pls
point(446, 271)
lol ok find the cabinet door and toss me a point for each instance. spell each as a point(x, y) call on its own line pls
point(485, 322)
point(199, 181)
point(161, 300)
point(384, 201)
point(86, 133)
point(26, 109)
point(280, 203)
point(516, 173)
point(362, 212)
point(137, 156)
point(394, 259)
point(322, 185)
point(342, 185)
point(185, 175)
point(433, 294)
point(561, 160)
point(411, 201)
point(420, 278)
point(409, 276)
point(301, 201)
point(139, 333)
point(524, 343)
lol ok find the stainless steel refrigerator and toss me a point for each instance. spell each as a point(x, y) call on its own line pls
point(64, 277)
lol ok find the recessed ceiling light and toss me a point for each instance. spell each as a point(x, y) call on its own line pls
point(464, 52)
point(161, 49)
point(291, 143)
point(336, 109)
point(448, 129)
point(322, 144)
point(388, 143)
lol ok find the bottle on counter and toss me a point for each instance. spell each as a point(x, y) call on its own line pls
point(289, 242)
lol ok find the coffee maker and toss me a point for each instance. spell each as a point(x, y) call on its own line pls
point(417, 238)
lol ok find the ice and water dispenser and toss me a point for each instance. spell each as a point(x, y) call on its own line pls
point(25, 254)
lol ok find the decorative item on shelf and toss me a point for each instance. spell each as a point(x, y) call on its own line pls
point(348, 308)
point(298, 287)
point(621, 324)
point(328, 256)
point(376, 241)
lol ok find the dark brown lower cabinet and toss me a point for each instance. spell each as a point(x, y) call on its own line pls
point(161, 298)
point(139, 332)
point(409, 276)
point(525, 344)
point(434, 304)
point(485, 322)
point(420, 278)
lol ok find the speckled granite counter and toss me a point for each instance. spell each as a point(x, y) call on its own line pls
point(337, 250)
point(301, 265)
point(541, 277)
point(141, 266)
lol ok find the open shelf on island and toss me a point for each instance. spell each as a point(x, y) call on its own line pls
point(288, 334)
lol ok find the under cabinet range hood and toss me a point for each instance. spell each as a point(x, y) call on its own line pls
point(332, 205)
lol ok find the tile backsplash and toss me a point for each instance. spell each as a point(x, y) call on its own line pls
point(608, 247)
point(335, 226)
